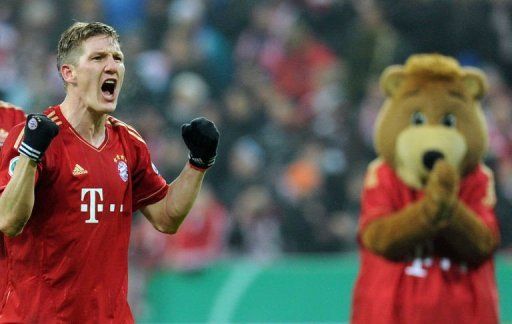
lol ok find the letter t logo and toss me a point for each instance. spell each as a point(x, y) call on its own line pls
point(92, 208)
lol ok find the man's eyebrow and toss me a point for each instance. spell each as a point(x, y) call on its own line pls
point(99, 52)
point(103, 52)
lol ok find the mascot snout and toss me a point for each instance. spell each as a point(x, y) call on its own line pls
point(430, 158)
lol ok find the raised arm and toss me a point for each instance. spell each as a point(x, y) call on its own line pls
point(17, 199)
point(201, 137)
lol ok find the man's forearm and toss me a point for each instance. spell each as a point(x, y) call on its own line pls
point(183, 192)
point(17, 200)
point(168, 214)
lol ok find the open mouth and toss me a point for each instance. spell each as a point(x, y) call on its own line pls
point(109, 87)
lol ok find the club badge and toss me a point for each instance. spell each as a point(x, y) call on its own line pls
point(122, 167)
point(32, 123)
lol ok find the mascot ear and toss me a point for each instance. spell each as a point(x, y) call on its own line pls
point(391, 79)
point(475, 82)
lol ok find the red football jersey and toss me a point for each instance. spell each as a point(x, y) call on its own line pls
point(10, 116)
point(431, 287)
point(70, 262)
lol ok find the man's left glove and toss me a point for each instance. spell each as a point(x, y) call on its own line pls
point(39, 133)
point(201, 137)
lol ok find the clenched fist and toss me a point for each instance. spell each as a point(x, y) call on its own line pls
point(441, 191)
point(39, 132)
point(201, 137)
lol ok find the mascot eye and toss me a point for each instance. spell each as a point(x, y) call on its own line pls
point(449, 120)
point(418, 118)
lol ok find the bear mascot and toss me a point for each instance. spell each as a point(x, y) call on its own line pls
point(427, 230)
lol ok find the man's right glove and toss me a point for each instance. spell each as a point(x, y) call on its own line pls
point(201, 137)
point(39, 132)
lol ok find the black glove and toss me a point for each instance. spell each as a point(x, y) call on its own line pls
point(201, 137)
point(39, 132)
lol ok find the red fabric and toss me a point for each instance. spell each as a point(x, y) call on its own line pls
point(9, 117)
point(69, 265)
point(431, 288)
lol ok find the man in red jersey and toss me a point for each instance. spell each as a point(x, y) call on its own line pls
point(70, 180)
point(10, 116)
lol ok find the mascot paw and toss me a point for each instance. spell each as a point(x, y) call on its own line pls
point(444, 178)
point(442, 189)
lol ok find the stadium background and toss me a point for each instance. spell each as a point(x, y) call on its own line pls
point(292, 86)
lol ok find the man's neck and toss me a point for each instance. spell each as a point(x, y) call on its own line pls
point(89, 124)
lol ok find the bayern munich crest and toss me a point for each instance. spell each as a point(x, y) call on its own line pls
point(122, 167)
point(32, 123)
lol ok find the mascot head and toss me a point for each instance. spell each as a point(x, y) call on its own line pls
point(432, 111)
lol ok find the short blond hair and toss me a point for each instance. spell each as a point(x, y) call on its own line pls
point(71, 40)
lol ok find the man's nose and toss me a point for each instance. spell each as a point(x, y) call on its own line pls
point(112, 65)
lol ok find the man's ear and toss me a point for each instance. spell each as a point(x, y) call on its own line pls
point(68, 73)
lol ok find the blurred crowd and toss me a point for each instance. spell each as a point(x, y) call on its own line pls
point(293, 89)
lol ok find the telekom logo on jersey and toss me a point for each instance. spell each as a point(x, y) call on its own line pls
point(95, 204)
